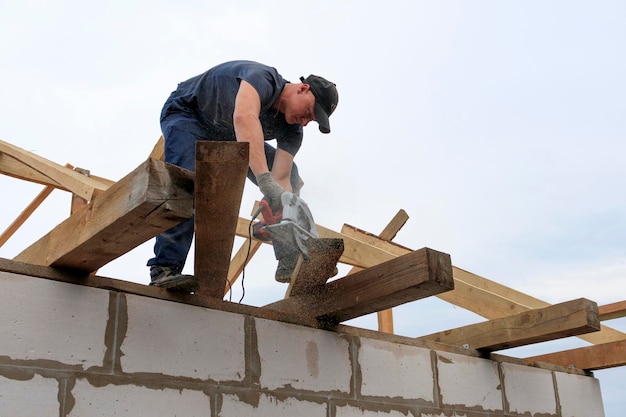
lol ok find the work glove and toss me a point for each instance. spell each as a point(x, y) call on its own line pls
point(270, 189)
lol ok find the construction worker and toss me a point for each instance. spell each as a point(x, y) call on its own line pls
point(248, 102)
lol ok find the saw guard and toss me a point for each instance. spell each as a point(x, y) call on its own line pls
point(297, 224)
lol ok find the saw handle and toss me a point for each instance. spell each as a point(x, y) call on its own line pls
point(269, 218)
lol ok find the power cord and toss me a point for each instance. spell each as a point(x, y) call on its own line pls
point(245, 262)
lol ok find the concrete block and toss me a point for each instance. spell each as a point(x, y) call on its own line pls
point(302, 358)
point(44, 320)
point(395, 370)
point(132, 400)
point(469, 382)
point(31, 398)
point(266, 406)
point(176, 339)
point(528, 391)
point(579, 396)
point(350, 411)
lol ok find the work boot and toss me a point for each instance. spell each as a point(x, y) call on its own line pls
point(170, 277)
point(285, 268)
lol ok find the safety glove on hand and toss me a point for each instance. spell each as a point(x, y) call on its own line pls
point(270, 189)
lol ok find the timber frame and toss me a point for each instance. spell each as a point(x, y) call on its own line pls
point(108, 219)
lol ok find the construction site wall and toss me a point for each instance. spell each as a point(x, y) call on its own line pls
point(74, 350)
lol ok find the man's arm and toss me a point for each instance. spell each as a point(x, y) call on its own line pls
point(248, 126)
point(248, 129)
point(281, 169)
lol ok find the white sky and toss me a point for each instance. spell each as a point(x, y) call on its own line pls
point(497, 125)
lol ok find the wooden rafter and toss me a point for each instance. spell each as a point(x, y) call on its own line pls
point(18, 163)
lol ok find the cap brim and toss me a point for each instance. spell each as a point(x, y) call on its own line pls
point(322, 119)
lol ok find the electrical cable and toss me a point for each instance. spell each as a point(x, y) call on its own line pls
point(245, 262)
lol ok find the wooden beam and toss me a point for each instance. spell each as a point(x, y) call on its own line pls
point(612, 311)
point(148, 201)
point(416, 275)
point(221, 169)
point(480, 295)
point(557, 321)
point(32, 167)
point(589, 358)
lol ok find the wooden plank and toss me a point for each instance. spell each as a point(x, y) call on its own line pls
point(612, 311)
point(589, 358)
point(310, 275)
point(221, 169)
point(566, 319)
point(416, 275)
point(57, 174)
point(148, 201)
point(480, 295)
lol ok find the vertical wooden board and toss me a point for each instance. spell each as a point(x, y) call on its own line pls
point(221, 169)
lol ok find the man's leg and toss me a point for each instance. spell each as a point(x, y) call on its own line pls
point(181, 132)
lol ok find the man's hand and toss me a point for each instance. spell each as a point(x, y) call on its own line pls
point(270, 189)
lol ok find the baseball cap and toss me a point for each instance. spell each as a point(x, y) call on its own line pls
point(326, 98)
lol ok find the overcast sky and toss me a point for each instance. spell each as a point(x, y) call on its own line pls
point(499, 126)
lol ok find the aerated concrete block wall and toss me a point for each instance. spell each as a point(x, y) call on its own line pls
point(72, 350)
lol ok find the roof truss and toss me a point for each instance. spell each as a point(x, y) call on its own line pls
point(157, 195)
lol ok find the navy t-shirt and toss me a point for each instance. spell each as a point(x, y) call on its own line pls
point(211, 97)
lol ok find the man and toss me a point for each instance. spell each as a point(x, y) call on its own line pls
point(248, 102)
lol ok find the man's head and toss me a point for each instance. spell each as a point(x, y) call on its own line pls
point(326, 99)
